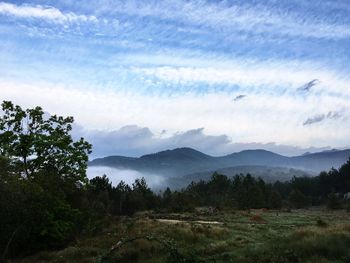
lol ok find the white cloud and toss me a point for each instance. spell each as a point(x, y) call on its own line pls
point(259, 118)
point(45, 13)
point(267, 74)
point(136, 141)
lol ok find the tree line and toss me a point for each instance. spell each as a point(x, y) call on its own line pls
point(46, 200)
point(221, 192)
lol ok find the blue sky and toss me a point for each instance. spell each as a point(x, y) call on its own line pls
point(220, 76)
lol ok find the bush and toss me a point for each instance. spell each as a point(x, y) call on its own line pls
point(334, 202)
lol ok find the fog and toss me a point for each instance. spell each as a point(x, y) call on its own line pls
point(115, 175)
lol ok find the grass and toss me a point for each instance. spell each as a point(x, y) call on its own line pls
point(314, 235)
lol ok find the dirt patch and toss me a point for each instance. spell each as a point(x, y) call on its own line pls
point(175, 221)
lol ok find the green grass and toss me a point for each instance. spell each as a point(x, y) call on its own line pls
point(315, 235)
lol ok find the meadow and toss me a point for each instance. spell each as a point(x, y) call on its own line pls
point(261, 235)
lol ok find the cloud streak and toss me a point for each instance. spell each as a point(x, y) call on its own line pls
point(239, 97)
point(321, 117)
point(307, 87)
point(270, 74)
point(45, 13)
point(227, 17)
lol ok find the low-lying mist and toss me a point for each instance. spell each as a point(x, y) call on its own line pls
point(154, 181)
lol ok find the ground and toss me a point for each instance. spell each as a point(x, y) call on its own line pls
point(312, 235)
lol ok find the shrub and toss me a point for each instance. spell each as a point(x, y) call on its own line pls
point(333, 202)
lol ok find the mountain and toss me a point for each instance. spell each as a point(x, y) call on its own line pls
point(322, 160)
point(183, 161)
point(255, 157)
point(169, 163)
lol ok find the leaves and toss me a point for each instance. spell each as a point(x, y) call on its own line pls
point(40, 142)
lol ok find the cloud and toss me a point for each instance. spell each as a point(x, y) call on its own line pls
point(314, 119)
point(271, 75)
point(135, 141)
point(223, 16)
point(262, 118)
point(45, 13)
point(132, 140)
point(332, 115)
point(239, 97)
point(263, 21)
point(307, 87)
point(128, 176)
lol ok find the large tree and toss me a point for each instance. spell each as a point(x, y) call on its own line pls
point(39, 142)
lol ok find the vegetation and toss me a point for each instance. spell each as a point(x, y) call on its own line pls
point(47, 203)
point(42, 181)
point(239, 237)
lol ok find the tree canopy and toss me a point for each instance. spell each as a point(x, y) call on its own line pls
point(38, 142)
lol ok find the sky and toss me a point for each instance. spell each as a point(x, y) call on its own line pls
point(141, 76)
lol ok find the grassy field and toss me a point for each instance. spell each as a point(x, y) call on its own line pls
point(314, 235)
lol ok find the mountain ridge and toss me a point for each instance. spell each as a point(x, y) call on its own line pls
point(181, 161)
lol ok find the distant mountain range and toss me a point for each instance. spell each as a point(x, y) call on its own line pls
point(188, 162)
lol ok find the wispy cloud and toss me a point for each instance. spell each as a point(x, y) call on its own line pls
point(307, 87)
point(45, 13)
point(111, 110)
point(235, 17)
point(278, 76)
point(239, 97)
point(266, 19)
point(314, 119)
point(332, 115)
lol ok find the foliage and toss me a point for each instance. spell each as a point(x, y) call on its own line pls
point(38, 143)
point(298, 199)
point(42, 180)
point(334, 202)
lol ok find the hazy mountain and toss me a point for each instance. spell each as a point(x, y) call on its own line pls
point(184, 161)
point(175, 162)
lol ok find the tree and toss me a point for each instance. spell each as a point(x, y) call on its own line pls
point(345, 177)
point(99, 193)
point(119, 196)
point(334, 201)
point(37, 143)
point(275, 200)
point(100, 184)
point(141, 196)
point(167, 197)
point(42, 174)
point(298, 199)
